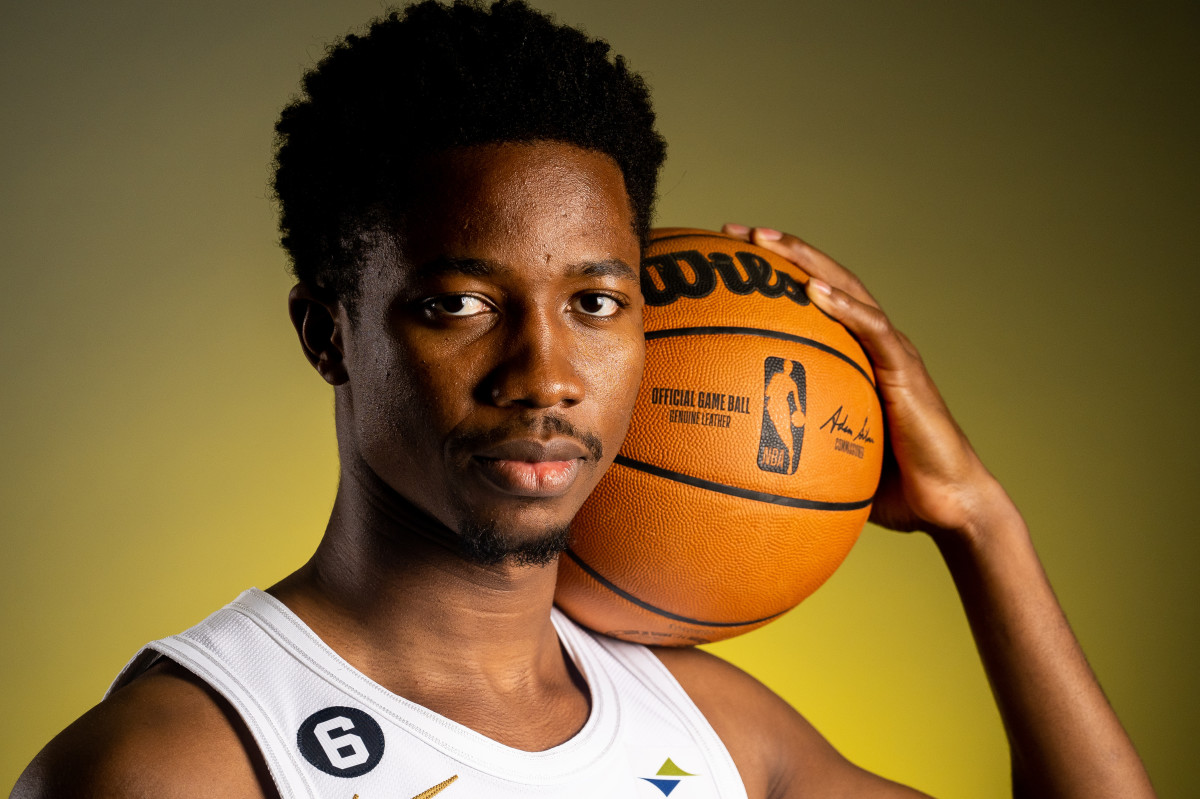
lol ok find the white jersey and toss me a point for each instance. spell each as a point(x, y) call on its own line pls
point(326, 730)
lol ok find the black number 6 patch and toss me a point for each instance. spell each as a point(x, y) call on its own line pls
point(342, 741)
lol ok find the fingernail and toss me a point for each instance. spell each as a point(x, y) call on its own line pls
point(819, 286)
point(769, 234)
point(737, 230)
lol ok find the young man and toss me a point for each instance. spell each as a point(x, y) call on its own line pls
point(464, 193)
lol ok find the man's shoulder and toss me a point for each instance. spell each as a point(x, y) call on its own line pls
point(165, 734)
point(727, 695)
point(776, 750)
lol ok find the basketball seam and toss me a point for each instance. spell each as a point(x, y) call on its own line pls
point(722, 330)
point(743, 493)
point(598, 577)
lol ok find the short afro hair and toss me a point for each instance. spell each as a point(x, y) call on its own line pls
point(430, 78)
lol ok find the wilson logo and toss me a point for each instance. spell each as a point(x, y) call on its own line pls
point(664, 278)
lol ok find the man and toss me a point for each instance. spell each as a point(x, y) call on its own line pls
point(464, 193)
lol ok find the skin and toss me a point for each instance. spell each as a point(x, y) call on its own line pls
point(516, 301)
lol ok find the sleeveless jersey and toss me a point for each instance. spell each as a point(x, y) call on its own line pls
point(327, 730)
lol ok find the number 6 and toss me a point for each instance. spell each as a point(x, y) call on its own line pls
point(333, 746)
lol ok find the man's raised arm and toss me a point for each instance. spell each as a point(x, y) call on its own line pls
point(1065, 739)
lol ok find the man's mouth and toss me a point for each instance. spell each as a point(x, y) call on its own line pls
point(530, 478)
point(532, 468)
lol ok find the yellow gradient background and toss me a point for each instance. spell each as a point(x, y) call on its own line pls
point(1017, 182)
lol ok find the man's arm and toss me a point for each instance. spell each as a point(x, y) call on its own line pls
point(166, 735)
point(1065, 739)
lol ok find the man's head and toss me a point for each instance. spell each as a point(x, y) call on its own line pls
point(464, 193)
point(426, 80)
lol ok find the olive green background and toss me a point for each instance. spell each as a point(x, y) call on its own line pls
point(1017, 182)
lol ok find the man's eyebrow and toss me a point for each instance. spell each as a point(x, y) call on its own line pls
point(609, 267)
point(471, 267)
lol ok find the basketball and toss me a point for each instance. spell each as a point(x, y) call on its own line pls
point(751, 460)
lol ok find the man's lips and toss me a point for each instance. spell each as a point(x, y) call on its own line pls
point(531, 468)
point(534, 451)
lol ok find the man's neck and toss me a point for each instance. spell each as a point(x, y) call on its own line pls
point(388, 592)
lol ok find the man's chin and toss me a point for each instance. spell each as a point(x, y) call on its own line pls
point(485, 545)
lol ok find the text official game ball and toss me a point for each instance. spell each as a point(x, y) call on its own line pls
point(751, 461)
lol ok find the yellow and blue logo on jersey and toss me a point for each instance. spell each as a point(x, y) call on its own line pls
point(668, 777)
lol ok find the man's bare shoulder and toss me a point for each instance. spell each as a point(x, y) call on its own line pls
point(164, 735)
point(777, 751)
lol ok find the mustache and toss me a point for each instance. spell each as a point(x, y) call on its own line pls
point(540, 427)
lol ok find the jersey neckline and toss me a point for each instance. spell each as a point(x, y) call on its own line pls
point(577, 753)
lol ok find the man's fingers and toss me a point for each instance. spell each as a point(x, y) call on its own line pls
point(885, 346)
point(835, 290)
point(813, 261)
point(809, 258)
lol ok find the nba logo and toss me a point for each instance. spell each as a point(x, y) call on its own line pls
point(783, 410)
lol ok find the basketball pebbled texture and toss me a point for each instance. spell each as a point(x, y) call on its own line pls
point(751, 460)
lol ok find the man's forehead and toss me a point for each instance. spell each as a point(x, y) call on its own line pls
point(491, 267)
point(485, 208)
point(511, 175)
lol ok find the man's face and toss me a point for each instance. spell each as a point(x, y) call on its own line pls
point(493, 369)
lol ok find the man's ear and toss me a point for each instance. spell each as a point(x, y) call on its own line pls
point(315, 318)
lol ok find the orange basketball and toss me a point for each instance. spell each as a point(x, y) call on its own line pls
point(751, 461)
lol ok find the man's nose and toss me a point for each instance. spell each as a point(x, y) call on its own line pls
point(537, 367)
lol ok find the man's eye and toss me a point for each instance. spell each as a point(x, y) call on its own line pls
point(457, 305)
point(597, 304)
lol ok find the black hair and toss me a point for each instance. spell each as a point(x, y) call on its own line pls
point(429, 78)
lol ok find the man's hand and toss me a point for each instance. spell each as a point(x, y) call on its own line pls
point(1065, 739)
point(932, 479)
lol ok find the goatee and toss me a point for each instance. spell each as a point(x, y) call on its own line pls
point(483, 544)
